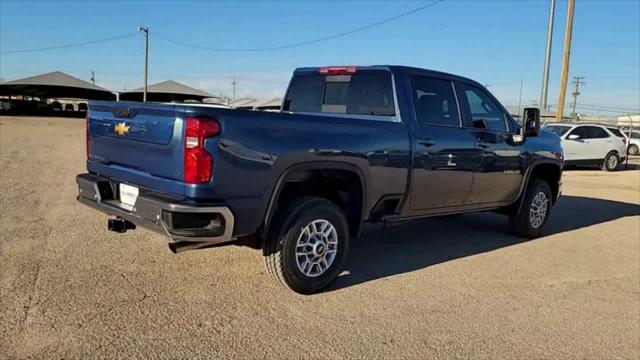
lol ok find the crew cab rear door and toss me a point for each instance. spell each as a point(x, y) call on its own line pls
point(136, 143)
point(443, 150)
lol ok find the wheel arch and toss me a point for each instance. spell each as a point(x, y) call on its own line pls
point(290, 174)
point(548, 170)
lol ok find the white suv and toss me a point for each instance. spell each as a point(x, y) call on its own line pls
point(590, 144)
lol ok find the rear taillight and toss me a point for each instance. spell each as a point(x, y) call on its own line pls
point(338, 70)
point(198, 162)
point(86, 134)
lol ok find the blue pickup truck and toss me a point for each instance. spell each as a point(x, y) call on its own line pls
point(350, 145)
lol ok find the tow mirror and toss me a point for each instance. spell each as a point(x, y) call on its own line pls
point(531, 122)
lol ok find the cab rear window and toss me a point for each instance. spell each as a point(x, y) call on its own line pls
point(365, 93)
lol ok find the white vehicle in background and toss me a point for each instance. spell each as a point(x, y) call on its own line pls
point(634, 142)
point(590, 145)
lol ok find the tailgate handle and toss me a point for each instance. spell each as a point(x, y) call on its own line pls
point(123, 112)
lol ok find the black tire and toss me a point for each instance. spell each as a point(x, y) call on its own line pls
point(611, 162)
point(280, 248)
point(521, 221)
point(633, 149)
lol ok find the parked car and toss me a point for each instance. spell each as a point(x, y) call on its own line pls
point(352, 145)
point(620, 134)
point(634, 142)
point(590, 145)
point(6, 106)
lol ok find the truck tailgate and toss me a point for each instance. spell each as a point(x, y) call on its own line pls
point(137, 143)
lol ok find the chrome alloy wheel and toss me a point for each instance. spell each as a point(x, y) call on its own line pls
point(612, 162)
point(316, 248)
point(538, 210)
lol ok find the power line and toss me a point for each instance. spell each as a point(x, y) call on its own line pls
point(303, 43)
point(610, 107)
point(67, 45)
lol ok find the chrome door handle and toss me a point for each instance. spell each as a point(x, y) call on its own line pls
point(426, 142)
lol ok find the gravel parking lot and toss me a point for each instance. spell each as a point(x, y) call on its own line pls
point(459, 287)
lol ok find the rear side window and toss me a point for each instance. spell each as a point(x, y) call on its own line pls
point(434, 101)
point(596, 132)
point(366, 93)
point(616, 132)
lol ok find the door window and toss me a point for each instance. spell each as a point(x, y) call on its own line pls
point(581, 132)
point(596, 132)
point(485, 113)
point(434, 101)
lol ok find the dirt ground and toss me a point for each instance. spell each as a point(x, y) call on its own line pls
point(447, 288)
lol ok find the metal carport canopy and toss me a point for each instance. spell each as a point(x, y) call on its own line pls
point(169, 90)
point(55, 85)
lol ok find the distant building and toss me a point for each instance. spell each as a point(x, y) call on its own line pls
point(244, 103)
point(166, 91)
point(270, 105)
point(632, 120)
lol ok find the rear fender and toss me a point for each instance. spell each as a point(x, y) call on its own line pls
point(316, 165)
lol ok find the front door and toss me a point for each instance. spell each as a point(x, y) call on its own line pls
point(577, 145)
point(498, 173)
point(443, 150)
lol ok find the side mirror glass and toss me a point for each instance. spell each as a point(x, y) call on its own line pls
point(531, 121)
point(480, 124)
point(573, 137)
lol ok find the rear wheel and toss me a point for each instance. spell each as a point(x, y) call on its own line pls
point(611, 162)
point(530, 219)
point(633, 149)
point(309, 245)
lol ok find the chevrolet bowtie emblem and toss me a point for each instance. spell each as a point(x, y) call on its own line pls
point(121, 128)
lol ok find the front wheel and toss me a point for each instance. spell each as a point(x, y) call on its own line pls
point(530, 219)
point(309, 245)
point(611, 162)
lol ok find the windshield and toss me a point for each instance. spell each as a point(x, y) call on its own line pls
point(559, 130)
point(363, 93)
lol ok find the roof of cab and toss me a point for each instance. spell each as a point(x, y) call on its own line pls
point(392, 68)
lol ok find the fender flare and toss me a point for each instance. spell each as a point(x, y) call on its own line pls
point(527, 177)
point(313, 165)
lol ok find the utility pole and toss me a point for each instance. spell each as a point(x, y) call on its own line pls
point(577, 81)
point(93, 78)
point(565, 60)
point(234, 87)
point(547, 57)
point(145, 31)
point(520, 101)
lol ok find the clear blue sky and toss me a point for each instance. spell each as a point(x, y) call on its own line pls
point(494, 42)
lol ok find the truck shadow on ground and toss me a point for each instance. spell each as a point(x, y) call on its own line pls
point(383, 252)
